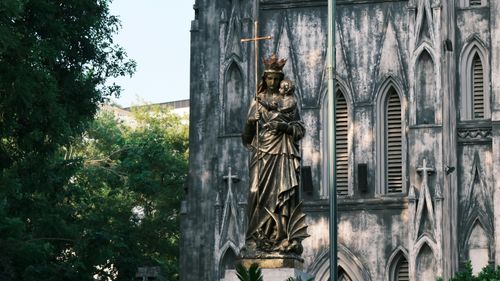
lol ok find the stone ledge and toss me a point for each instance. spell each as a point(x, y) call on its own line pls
point(274, 262)
point(275, 274)
point(359, 204)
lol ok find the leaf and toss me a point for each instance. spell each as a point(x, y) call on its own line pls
point(253, 273)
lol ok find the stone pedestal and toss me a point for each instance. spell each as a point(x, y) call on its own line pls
point(271, 274)
point(275, 267)
point(271, 262)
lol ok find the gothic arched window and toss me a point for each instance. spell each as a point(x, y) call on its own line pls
point(233, 94)
point(401, 272)
point(393, 143)
point(390, 139)
point(342, 150)
point(341, 144)
point(474, 91)
point(342, 275)
point(477, 88)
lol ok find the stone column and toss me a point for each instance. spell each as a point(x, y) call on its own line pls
point(495, 116)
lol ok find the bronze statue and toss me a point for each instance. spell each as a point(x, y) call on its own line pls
point(272, 131)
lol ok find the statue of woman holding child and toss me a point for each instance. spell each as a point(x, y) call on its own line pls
point(272, 132)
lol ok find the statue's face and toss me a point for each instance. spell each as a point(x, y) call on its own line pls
point(284, 87)
point(273, 81)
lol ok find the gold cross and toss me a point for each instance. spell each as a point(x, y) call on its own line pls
point(256, 40)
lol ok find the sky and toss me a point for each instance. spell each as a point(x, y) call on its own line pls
point(155, 33)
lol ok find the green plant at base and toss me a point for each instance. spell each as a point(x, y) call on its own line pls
point(253, 273)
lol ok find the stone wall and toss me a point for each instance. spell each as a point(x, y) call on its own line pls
point(420, 49)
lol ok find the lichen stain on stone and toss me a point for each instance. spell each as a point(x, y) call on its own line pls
point(425, 142)
point(488, 159)
point(363, 131)
point(481, 24)
point(315, 157)
point(362, 28)
point(360, 231)
point(398, 223)
point(438, 114)
point(320, 231)
point(205, 176)
point(307, 144)
point(363, 235)
point(310, 122)
point(314, 58)
point(319, 240)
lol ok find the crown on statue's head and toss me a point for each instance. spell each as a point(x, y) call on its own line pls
point(272, 64)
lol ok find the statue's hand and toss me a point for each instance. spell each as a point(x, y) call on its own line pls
point(254, 118)
point(268, 105)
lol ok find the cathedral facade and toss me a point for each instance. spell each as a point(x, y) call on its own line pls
point(417, 143)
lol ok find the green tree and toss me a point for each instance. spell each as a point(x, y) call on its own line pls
point(55, 57)
point(489, 273)
point(131, 185)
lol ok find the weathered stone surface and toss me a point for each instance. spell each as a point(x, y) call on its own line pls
point(420, 48)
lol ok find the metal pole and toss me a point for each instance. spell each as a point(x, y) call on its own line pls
point(256, 59)
point(332, 173)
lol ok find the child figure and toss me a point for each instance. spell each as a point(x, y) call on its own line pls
point(286, 104)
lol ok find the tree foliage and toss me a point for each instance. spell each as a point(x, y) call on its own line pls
point(66, 214)
point(489, 273)
point(131, 185)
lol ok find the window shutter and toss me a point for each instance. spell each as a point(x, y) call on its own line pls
point(478, 87)
point(342, 157)
point(342, 275)
point(475, 3)
point(393, 143)
point(402, 270)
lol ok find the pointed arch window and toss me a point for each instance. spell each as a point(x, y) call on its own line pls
point(390, 139)
point(341, 144)
point(477, 88)
point(233, 94)
point(398, 269)
point(342, 275)
point(474, 90)
point(401, 272)
point(393, 143)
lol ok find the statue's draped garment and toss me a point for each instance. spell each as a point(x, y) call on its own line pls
point(274, 168)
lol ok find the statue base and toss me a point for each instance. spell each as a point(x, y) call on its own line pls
point(272, 261)
point(271, 274)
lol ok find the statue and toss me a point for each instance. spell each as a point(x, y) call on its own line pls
point(272, 131)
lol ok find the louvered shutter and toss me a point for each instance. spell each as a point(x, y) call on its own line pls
point(478, 87)
point(393, 143)
point(475, 3)
point(402, 270)
point(341, 159)
point(342, 275)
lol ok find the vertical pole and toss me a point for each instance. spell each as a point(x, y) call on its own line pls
point(257, 135)
point(256, 59)
point(331, 139)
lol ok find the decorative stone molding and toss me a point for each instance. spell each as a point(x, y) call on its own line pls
point(478, 134)
point(474, 131)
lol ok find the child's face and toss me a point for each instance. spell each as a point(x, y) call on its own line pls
point(284, 88)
